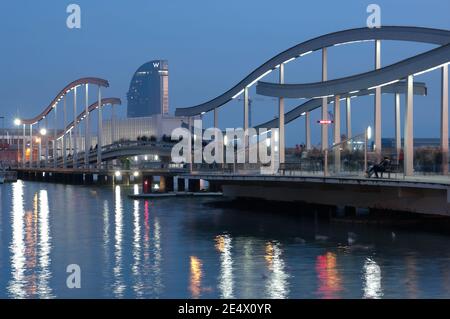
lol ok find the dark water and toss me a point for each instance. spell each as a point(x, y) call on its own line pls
point(188, 248)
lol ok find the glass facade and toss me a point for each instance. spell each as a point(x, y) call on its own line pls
point(149, 90)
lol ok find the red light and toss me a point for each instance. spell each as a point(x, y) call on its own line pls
point(325, 122)
point(145, 182)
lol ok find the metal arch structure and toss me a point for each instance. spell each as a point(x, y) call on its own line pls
point(378, 78)
point(398, 33)
point(53, 106)
point(62, 93)
point(82, 115)
point(310, 105)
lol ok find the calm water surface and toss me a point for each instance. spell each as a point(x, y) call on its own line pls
point(188, 248)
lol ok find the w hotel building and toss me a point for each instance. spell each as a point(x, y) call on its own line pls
point(149, 90)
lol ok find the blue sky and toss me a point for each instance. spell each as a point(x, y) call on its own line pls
point(210, 46)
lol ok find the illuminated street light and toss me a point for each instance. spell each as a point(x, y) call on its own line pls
point(17, 122)
point(117, 173)
point(135, 173)
point(43, 131)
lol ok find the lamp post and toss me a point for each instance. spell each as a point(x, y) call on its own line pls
point(18, 122)
point(43, 133)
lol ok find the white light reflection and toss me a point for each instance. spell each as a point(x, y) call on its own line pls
point(17, 247)
point(223, 245)
point(372, 280)
point(158, 256)
point(106, 233)
point(136, 247)
point(44, 247)
point(119, 286)
point(277, 284)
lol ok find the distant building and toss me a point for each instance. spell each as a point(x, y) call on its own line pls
point(149, 90)
point(132, 128)
point(388, 144)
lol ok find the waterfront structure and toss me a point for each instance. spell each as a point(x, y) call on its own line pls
point(148, 94)
point(130, 129)
point(339, 89)
point(395, 79)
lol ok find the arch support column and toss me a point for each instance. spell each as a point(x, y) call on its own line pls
point(377, 109)
point(398, 137)
point(31, 145)
point(99, 134)
point(348, 117)
point(337, 134)
point(281, 119)
point(64, 139)
point(409, 132)
point(308, 130)
point(75, 130)
point(87, 135)
point(55, 144)
point(444, 119)
point(324, 127)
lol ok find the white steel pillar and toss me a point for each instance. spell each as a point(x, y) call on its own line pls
point(308, 130)
point(348, 117)
point(64, 139)
point(113, 123)
point(377, 109)
point(46, 142)
point(337, 134)
point(55, 134)
point(409, 132)
point(75, 130)
point(87, 135)
point(281, 118)
point(31, 145)
point(398, 137)
point(99, 134)
point(324, 127)
point(24, 143)
point(444, 119)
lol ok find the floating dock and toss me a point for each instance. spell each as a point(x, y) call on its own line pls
point(175, 194)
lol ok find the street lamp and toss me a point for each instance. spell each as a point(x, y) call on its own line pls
point(18, 122)
point(42, 132)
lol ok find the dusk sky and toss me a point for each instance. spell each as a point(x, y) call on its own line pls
point(210, 46)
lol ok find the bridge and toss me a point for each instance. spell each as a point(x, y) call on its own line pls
point(345, 161)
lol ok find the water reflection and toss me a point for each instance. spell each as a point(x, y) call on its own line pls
point(158, 256)
point(44, 289)
point(411, 277)
point(16, 287)
point(119, 285)
point(152, 248)
point(328, 275)
point(195, 277)
point(372, 280)
point(223, 245)
point(136, 248)
point(30, 246)
point(277, 284)
point(162, 249)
